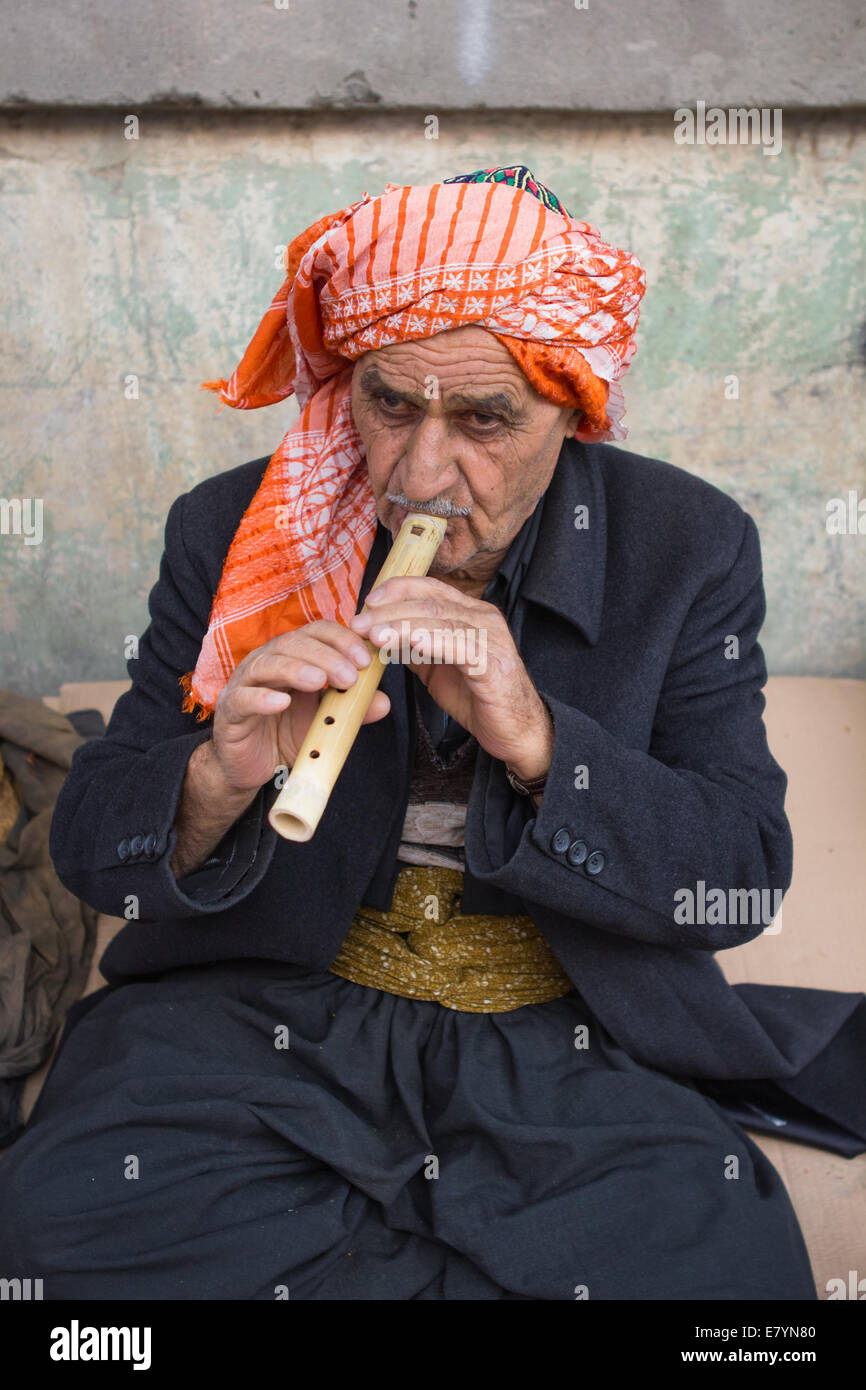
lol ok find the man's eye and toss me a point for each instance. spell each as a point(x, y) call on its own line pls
point(390, 402)
point(482, 421)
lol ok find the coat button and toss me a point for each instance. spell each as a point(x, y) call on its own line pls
point(149, 845)
point(123, 850)
point(136, 844)
point(595, 862)
point(561, 840)
point(577, 852)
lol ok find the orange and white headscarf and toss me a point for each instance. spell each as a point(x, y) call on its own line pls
point(417, 260)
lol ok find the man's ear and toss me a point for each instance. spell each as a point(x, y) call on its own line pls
point(572, 423)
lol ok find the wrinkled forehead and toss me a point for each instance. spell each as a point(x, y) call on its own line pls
point(451, 360)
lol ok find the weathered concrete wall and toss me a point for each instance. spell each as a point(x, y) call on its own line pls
point(586, 55)
point(156, 257)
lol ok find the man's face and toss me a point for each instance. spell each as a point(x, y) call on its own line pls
point(451, 426)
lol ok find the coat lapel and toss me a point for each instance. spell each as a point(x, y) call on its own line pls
point(566, 576)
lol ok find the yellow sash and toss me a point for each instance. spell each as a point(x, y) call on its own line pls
point(423, 948)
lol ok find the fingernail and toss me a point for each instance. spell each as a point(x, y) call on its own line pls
point(361, 654)
point(374, 597)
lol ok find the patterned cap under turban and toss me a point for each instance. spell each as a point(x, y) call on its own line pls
point(493, 248)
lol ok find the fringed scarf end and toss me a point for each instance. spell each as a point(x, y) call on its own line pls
point(220, 387)
point(191, 705)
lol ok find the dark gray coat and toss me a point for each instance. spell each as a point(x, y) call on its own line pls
point(624, 626)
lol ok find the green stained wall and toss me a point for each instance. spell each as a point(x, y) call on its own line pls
point(157, 257)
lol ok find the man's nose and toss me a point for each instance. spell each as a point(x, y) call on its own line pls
point(428, 466)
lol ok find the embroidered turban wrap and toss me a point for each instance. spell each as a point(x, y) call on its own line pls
point(493, 248)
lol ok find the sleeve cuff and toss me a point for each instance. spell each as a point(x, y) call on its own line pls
point(230, 872)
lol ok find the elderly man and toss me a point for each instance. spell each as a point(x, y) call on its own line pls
point(464, 1043)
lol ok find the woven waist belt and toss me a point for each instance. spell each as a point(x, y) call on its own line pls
point(423, 948)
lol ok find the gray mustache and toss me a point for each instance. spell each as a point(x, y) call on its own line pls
point(437, 508)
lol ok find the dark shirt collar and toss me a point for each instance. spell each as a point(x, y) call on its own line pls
point(506, 582)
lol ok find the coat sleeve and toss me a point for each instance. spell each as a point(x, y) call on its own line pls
point(112, 833)
point(701, 810)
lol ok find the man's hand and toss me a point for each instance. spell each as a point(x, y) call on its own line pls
point(261, 719)
point(469, 664)
point(269, 701)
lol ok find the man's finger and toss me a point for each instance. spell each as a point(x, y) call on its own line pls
point(251, 702)
point(380, 705)
point(408, 586)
